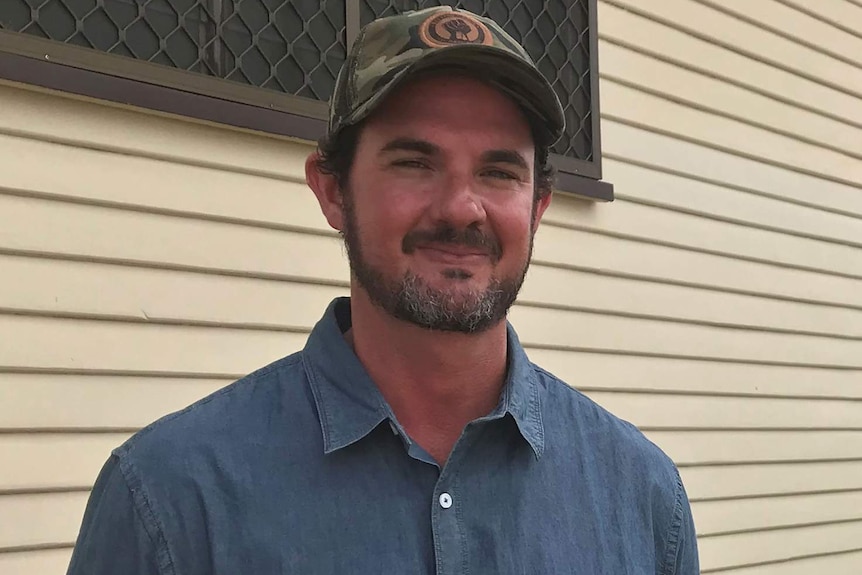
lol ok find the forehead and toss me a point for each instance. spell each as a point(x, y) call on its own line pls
point(437, 102)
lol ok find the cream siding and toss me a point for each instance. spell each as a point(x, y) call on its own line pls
point(744, 139)
point(717, 304)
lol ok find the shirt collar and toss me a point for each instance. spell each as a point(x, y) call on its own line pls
point(521, 396)
point(350, 405)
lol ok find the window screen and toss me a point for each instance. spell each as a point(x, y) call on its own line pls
point(297, 46)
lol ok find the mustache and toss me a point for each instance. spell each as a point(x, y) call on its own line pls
point(446, 234)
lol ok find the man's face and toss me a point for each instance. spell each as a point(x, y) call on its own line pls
point(439, 210)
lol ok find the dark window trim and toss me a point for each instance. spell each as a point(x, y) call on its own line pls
point(46, 74)
point(595, 100)
point(112, 65)
point(31, 60)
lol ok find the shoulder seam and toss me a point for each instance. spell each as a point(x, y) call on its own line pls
point(673, 531)
point(144, 509)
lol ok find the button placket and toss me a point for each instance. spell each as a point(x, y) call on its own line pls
point(448, 546)
point(446, 514)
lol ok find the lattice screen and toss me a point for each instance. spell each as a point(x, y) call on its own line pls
point(297, 46)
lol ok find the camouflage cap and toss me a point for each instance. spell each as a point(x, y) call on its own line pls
point(389, 50)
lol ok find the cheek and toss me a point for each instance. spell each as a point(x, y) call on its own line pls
point(514, 230)
point(384, 223)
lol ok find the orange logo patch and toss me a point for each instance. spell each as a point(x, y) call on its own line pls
point(453, 28)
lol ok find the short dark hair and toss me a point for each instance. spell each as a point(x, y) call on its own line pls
point(336, 153)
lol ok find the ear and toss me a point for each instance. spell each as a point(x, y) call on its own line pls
point(541, 206)
point(325, 187)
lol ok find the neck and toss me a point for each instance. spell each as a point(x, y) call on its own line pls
point(435, 382)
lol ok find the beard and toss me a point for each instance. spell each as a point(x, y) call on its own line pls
point(411, 299)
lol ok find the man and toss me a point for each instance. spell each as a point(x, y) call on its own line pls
point(412, 434)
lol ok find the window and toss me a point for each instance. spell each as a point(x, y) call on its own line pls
point(282, 56)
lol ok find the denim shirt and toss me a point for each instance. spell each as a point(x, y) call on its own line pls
point(301, 467)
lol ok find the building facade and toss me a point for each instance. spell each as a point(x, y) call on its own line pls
point(148, 258)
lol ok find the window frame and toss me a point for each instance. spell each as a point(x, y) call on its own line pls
point(85, 72)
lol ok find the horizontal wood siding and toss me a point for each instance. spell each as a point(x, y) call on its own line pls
point(101, 334)
point(716, 304)
point(733, 135)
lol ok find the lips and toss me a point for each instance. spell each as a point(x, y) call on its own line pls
point(451, 254)
point(466, 243)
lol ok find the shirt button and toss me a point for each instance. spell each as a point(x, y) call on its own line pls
point(445, 500)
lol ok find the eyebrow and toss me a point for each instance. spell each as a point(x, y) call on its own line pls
point(427, 148)
point(505, 157)
point(411, 145)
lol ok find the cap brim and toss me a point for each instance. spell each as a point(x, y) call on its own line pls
point(513, 76)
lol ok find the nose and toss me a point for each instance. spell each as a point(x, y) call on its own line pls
point(458, 204)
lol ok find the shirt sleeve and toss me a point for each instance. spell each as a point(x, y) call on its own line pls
point(114, 537)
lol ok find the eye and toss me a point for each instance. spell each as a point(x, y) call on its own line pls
point(500, 175)
point(415, 164)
